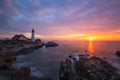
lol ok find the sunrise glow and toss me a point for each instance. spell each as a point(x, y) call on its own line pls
point(90, 38)
point(55, 20)
point(56, 39)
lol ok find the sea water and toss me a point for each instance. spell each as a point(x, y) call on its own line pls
point(45, 62)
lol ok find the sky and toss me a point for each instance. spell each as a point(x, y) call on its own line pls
point(61, 19)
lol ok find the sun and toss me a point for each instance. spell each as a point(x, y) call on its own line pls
point(90, 38)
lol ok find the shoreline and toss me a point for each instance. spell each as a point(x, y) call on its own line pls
point(27, 47)
point(7, 74)
point(6, 71)
point(21, 50)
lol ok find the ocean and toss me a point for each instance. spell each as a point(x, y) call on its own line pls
point(45, 62)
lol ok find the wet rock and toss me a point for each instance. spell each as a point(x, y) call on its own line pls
point(51, 44)
point(117, 53)
point(11, 59)
point(92, 68)
point(6, 66)
point(22, 74)
point(7, 62)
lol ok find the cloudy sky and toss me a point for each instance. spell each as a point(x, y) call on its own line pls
point(61, 18)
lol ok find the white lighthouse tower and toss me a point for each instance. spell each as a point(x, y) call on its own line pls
point(33, 35)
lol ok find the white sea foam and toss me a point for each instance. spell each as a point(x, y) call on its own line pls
point(115, 63)
point(19, 65)
point(34, 71)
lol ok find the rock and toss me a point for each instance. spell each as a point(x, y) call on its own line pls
point(22, 74)
point(1, 78)
point(2, 63)
point(92, 68)
point(6, 66)
point(7, 62)
point(11, 59)
point(1, 48)
point(1, 60)
point(19, 37)
point(38, 40)
point(51, 44)
point(117, 53)
point(118, 78)
point(0, 42)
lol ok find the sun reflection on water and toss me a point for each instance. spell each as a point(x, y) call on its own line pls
point(90, 47)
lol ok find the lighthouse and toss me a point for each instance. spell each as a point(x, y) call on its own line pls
point(33, 35)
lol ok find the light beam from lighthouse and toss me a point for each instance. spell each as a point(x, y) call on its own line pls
point(33, 35)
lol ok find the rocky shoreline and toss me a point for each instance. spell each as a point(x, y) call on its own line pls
point(92, 68)
point(13, 47)
point(9, 49)
point(80, 68)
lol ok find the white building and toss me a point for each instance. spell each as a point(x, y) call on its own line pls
point(33, 35)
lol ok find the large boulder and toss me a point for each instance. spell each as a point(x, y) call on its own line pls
point(88, 69)
point(22, 74)
point(51, 44)
point(117, 53)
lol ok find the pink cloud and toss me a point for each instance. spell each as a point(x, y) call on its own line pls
point(10, 5)
point(87, 11)
point(46, 10)
point(70, 11)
